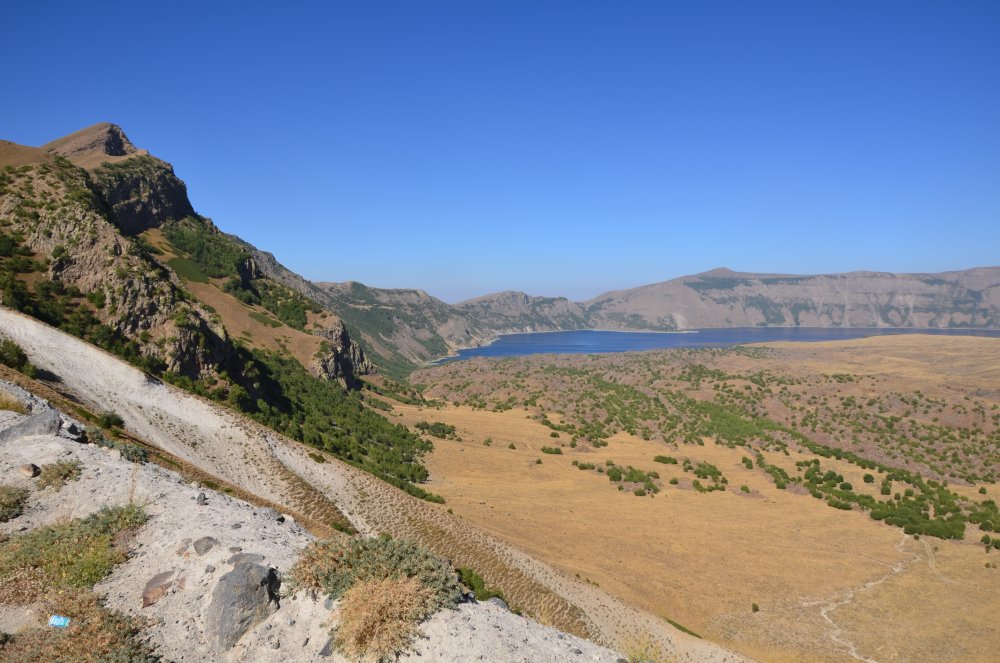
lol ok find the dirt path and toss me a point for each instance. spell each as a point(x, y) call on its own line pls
point(841, 599)
point(259, 460)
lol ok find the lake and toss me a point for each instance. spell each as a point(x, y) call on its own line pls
point(592, 342)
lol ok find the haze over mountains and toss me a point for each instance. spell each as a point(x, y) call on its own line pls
point(402, 328)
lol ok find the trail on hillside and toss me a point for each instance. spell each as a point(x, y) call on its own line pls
point(226, 444)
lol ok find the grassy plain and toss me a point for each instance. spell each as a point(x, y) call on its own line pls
point(831, 584)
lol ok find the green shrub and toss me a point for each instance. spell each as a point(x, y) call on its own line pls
point(869, 478)
point(475, 582)
point(332, 567)
point(12, 499)
point(666, 460)
point(552, 450)
point(110, 420)
point(13, 356)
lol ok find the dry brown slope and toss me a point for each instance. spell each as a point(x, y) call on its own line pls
point(226, 444)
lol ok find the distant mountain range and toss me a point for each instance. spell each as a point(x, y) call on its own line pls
point(108, 191)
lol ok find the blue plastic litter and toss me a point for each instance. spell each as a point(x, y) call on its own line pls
point(59, 621)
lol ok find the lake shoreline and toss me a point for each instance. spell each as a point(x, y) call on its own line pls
point(716, 337)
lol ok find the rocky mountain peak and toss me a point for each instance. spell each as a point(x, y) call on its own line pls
point(92, 145)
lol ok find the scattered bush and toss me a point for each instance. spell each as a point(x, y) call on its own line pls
point(754, 607)
point(56, 475)
point(437, 429)
point(12, 499)
point(552, 450)
point(666, 460)
point(869, 478)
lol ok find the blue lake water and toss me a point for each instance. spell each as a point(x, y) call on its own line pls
point(591, 342)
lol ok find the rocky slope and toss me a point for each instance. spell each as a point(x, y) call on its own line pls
point(77, 206)
point(192, 568)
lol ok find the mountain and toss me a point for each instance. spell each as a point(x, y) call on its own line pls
point(723, 298)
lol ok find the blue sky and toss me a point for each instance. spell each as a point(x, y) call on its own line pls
point(561, 148)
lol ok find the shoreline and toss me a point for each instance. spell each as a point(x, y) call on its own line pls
point(903, 330)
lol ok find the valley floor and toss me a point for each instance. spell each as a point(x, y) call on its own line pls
point(829, 585)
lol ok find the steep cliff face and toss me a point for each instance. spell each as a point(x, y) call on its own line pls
point(53, 212)
point(139, 190)
point(141, 193)
point(342, 359)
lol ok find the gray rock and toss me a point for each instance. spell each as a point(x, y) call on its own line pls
point(271, 514)
point(201, 500)
point(156, 588)
point(204, 544)
point(245, 558)
point(327, 649)
point(209, 569)
point(72, 431)
point(497, 601)
point(30, 470)
point(43, 423)
point(243, 598)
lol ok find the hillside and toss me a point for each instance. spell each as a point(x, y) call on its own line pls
point(222, 448)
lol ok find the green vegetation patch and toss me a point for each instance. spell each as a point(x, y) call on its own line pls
point(188, 269)
point(12, 500)
point(264, 319)
point(76, 554)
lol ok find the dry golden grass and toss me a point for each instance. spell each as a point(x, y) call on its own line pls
point(378, 618)
point(830, 584)
point(95, 634)
point(8, 402)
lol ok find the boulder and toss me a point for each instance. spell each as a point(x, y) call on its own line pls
point(242, 598)
point(29, 470)
point(497, 601)
point(43, 423)
point(204, 544)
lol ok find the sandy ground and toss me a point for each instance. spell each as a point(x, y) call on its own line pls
point(226, 444)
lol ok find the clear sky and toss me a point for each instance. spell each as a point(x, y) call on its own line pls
point(561, 148)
